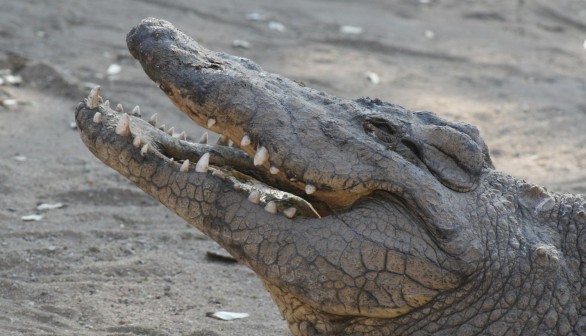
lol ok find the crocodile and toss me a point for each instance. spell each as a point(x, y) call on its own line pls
point(360, 217)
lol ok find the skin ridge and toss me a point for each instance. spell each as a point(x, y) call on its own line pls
point(429, 239)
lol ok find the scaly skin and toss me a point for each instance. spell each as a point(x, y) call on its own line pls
point(401, 224)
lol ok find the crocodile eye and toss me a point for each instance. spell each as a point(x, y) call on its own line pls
point(381, 129)
point(394, 137)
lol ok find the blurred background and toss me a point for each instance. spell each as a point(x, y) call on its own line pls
point(100, 258)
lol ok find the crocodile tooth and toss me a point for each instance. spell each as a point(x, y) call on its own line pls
point(172, 160)
point(136, 111)
point(271, 207)
point(93, 99)
point(274, 170)
point(136, 142)
point(203, 139)
point(309, 189)
point(107, 104)
point(211, 122)
point(261, 156)
point(120, 108)
point(185, 166)
point(290, 212)
point(162, 127)
point(223, 141)
point(153, 119)
point(203, 163)
point(171, 131)
point(182, 136)
point(98, 117)
point(144, 149)
point(245, 140)
point(123, 126)
point(218, 173)
point(254, 197)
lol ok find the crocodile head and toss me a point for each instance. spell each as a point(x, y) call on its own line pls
point(359, 216)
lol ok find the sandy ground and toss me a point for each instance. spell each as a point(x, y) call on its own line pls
point(114, 262)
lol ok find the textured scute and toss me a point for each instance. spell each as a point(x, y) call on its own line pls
point(419, 235)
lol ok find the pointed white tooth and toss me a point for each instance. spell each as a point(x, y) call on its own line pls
point(107, 104)
point(153, 119)
point(218, 173)
point(310, 189)
point(245, 140)
point(184, 167)
point(203, 163)
point(271, 207)
point(223, 140)
point(183, 136)
point(171, 131)
point(162, 127)
point(98, 117)
point(254, 197)
point(120, 108)
point(203, 139)
point(211, 122)
point(261, 156)
point(144, 150)
point(172, 160)
point(136, 111)
point(290, 212)
point(136, 142)
point(123, 126)
point(93, 99)
point(274, 170)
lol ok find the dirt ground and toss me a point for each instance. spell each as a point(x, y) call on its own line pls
point(112, 261)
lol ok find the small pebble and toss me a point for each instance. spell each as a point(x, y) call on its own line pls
point(31, 218)
point(429, 34)
point(241, 44)
point(47, 206)
point(372, 77)
point(20, 158)
point(351, 30)
point(277, 26)
point(113, 69)
point(10, 103)
point(227, 316)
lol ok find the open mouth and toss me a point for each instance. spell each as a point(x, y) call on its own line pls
point(264, 184)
